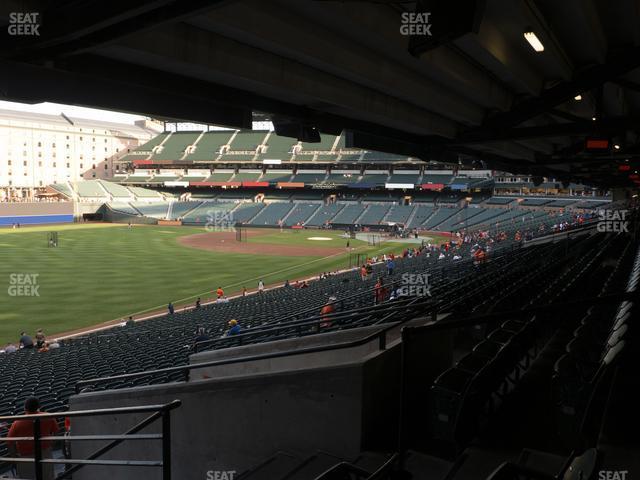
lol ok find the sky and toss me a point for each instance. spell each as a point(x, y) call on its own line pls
point(72, 111)
point(105, 115)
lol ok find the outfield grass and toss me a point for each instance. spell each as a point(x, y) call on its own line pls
point(101, 272)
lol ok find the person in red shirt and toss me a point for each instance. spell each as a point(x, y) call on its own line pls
point(479, 256)
point(363, 272)
point(379, 291)
point(327, 310)
point(220, 292)
point(24, 448)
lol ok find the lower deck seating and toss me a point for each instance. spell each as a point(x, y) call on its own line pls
point(464, 398)
point(442, 214)
point(348, 215)
point(124, 208)
point(324, 215)
point(246, 211)
point(272, 214)
point(400, 213)
point(421, 214)
point(301, 213)
point(154, 210)
point(179, 209)
point(210, 213)
point(374, 214)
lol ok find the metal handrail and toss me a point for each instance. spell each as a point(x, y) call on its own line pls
point(379, 335)
point(307, 322)
point(96, 412)
point(162, 411)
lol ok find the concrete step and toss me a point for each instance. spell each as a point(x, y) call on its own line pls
point(275, 468)
point(313, 466)
point(370, 461)
point(542, 461)
point(422, 466)
point(480, 463)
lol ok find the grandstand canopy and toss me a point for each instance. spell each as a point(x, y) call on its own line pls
point(464, 84)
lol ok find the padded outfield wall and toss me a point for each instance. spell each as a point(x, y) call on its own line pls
point(35, 213)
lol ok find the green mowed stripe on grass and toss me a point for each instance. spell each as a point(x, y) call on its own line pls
point(99, 274)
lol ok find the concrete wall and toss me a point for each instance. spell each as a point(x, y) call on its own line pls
point(339, 401)
point(235, 423)
point(286, 363)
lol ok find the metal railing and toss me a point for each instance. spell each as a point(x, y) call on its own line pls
point(380, 336)
point(158, 412)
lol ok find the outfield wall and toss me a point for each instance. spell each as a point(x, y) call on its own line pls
point(35, 213)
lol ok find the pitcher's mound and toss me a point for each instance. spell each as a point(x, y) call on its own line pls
point(226, 242)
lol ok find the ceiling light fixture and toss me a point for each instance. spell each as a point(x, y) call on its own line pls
point(577, 98)
point(534, 41)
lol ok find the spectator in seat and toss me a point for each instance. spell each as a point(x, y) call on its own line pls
point(260, 287)
point(130, 322)
point(198, 303)
point(10, 348)
point(234, 328)
point(25, 341)
point(379, 291)
point(390, 266)
point(40, 339)
point(202, 335)
point(325, 311)
point(22, 448)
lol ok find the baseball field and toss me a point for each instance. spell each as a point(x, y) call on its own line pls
point(99, 273)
